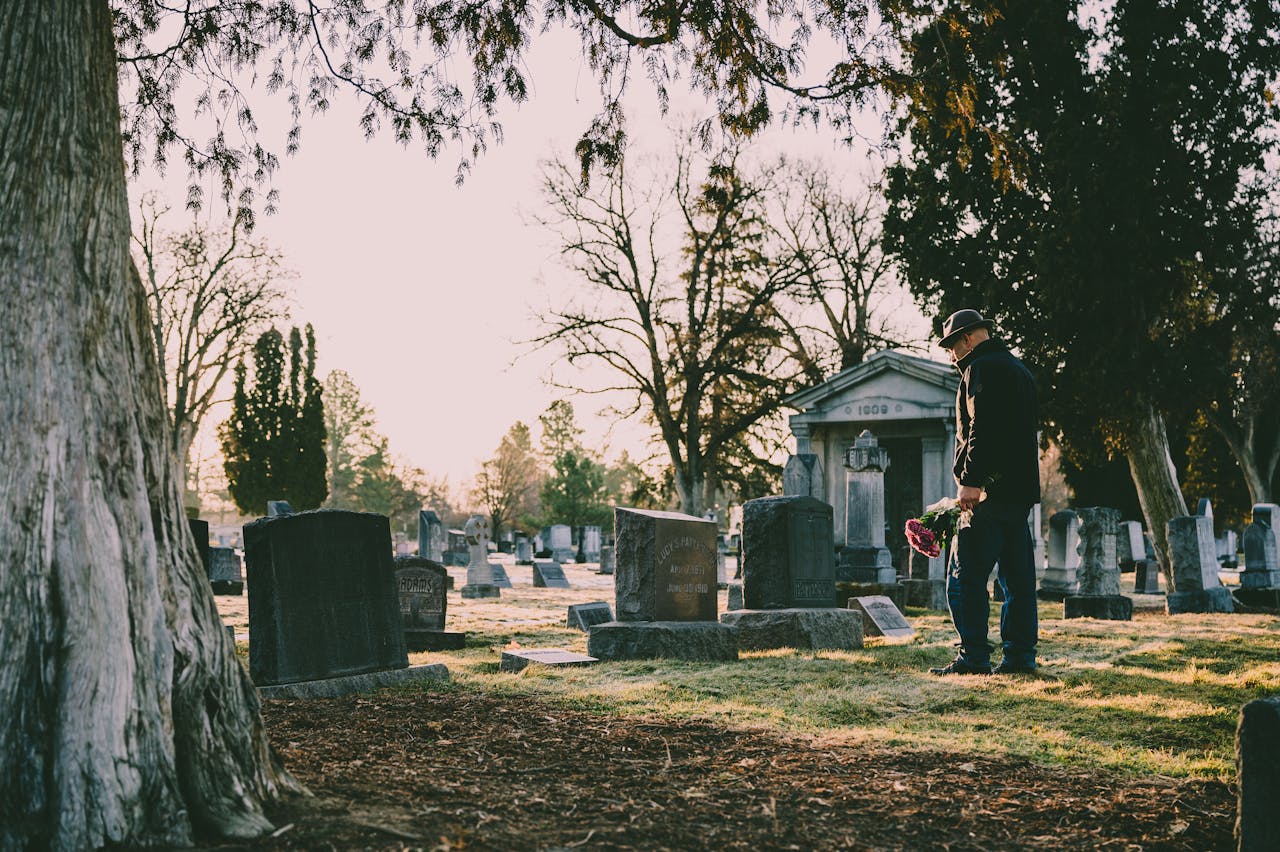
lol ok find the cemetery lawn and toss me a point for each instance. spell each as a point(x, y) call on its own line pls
point(1126, 740)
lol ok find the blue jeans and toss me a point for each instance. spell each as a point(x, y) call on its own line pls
point(998, 533)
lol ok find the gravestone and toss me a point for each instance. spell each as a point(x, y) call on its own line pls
point(1228, 546)
point(278, 508)
point(1099, 574)
point(1258, 776)
point(591, 543)
point(518, 659)
point(1037, 540)
point(1129, 545)
point(524, 551)
point(500, 578)
point(1063, 557)
point(200, 532)
point(561, 544)
point(224, 571)
point(1204, 509)
point(1146, 577)
point(665, 591)
point(421, 585)
point(480, 582)
point(881, 617)
point(864, 558)
point(457, 551)
point(583, 616)
point(322, 597)
point(734, 598)
point(1260, 579)
point(547, 574)
point(926, 583)
point(1196, 587)
point(788, 578)
point(606, 559)
point(802, 477)
point(431, 537)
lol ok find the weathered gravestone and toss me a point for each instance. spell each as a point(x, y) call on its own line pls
point(457, 551)
point(1099, 574)
point(561, 544)
point(1258, 774)
point(431, 537)
point(1228, 546)
point(547, 574)
point(1196, 587)
point(500, 578)
point(880, 617)
point(788, 578)
point(524, 550)
point(665, 591)
point(1260, 579)
point(421, 584)
point(517, 659)
point(323, 604)
point(278, 508)
point(1146, 577)
point(224, 571)
point(865, 559)
point(480, 583)
point(1204, 509)
point(802, 477)
point(734, 601)
point(583, 616)
point(606, 559)
point(1063, 557)
point(1129, 546)
point(591, 543)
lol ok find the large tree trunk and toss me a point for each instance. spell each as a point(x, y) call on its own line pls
point(1154, 476)
point(125, 717)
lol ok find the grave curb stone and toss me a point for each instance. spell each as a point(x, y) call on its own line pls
point(804, 629)
point(677, 640)
point(1258, 772)
point(1200, 600)
point(1102, 607)
point(336, 687)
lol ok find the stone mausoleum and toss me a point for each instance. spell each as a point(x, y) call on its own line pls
point(908, 403)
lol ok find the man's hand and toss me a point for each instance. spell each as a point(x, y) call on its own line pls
point(968, 497)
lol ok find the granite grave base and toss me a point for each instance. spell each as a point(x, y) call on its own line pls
point(895, 592)
point(434, 640)
point(807, 629)
point(335, 687)
point(1104, 607)
point(1203, 600)
point(929, 594)
point(677, 640)
point(1258, 600)
point(478, 591)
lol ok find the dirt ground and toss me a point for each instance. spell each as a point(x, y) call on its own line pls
point(459, 770)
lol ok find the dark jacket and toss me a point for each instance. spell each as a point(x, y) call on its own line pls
point(996, 446)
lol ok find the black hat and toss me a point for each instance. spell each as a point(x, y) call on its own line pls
point(959, 324)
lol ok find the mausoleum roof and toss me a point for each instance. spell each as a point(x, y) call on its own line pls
point(941, 376)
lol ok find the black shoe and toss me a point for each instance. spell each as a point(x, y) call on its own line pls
point(962, 666)
point(1007, 667)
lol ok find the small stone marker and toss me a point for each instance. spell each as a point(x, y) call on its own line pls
point(606, 559)
point(591, 543)
point(421, 585)
point(224, 571)
point(524, 551)
point(1196, 587)
point(278, 508)
point(735, 597)
point(583, 616)
point(1146, 577)
point(547, 574)
point(1258, 773)
point(880, 617)
point(518, 659)
point(926, 585)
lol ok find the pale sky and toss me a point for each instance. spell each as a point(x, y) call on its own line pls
point(420, 289)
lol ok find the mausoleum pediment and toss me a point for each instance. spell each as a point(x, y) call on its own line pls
point(888, 385)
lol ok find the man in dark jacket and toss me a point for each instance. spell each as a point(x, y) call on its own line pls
point(997, 470)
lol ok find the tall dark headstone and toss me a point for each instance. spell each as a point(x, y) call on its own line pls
point(322, 597)
point(224, 571)
point(788, 553)
point(1258, 771)
point(431, 538)
point(200, 532)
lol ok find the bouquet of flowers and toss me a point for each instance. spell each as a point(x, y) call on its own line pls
point(930, 532)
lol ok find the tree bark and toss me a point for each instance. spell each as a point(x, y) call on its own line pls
point(1156, 480)
point(125, 717)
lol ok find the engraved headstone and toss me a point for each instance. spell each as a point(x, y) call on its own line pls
point(277, 508)
point(561, 544)
point(421, 584)
point(881, 617)
point(517, 659)
point(803, 477)
point(500, 578)
point(1129, 545)
point(1196, 587)
point(1260, 579)
point(224, 571)
point(322, 597)
point(583, 616)
point(865, 559)
point(480, 582)
point(457, 551)
point(547, 574)
point(1099, 574)
point(1146, 577)
point(524, 551)
point(431, 537)
point(787, 553)
point(1063, 557)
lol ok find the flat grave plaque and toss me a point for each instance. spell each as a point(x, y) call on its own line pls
point(547, 574)
point(881, 617)
point(519, 658)
point(582, 616)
